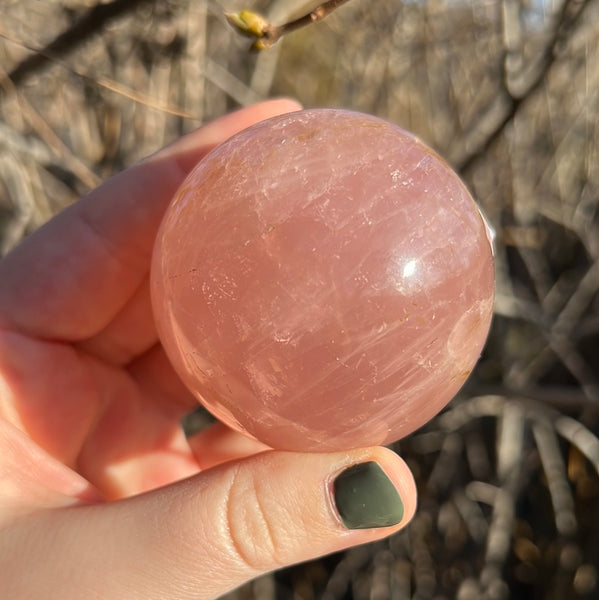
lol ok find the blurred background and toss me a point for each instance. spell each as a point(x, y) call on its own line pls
point(508, 92)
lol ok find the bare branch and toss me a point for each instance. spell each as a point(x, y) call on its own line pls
point(100, 81)
point(90, 23)
point(568, 19)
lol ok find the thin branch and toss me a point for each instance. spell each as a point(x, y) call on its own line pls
point(49, 136)
point(569, 18)
point(266, 33)
point(103, 82)
point(91, 22)
point(551, 455)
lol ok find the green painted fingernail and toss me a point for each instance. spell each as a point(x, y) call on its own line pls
point(365, 497)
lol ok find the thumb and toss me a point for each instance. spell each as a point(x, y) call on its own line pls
point(208, 534)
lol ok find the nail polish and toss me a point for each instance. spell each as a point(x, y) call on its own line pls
point(365, 497)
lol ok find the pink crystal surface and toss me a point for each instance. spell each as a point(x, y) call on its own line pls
point(323, 281)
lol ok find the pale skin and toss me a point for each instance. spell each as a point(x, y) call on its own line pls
point(101, 495)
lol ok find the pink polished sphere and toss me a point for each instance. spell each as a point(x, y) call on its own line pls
point(323, 281)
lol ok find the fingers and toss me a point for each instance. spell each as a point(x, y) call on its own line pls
point(218, 444)
point(190, 149)
point(206, 535)
point(120, 433)
point(84, 265)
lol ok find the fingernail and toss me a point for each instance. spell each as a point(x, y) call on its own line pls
point(365, 497)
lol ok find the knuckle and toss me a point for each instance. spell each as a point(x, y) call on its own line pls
point(250, 522)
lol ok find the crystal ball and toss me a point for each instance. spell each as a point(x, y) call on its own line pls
point(323, 281)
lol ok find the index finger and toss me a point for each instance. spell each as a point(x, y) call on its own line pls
point(70, 278)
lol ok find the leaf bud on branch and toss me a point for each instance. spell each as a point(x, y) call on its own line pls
point(266, 34)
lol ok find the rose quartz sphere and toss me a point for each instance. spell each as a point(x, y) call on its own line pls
point(323, 281)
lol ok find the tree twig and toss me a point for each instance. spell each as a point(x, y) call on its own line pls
point(568, 19)
point(266, 33)
point(94, 20)
point(98, 80)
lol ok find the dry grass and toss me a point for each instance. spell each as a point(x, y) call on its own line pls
point(508, 475)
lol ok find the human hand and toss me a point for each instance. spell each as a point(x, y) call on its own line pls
point(101, 494)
